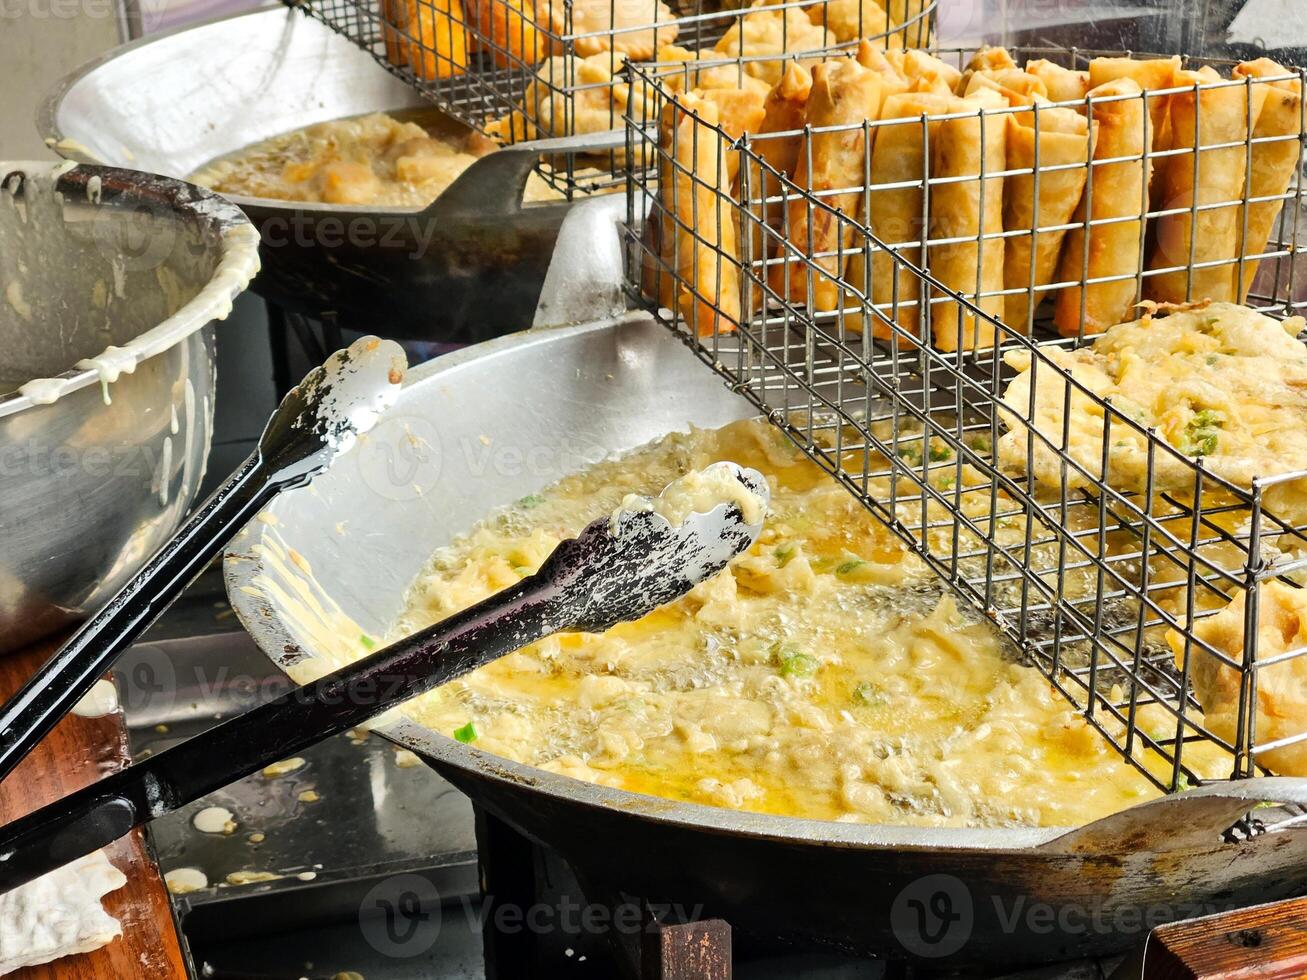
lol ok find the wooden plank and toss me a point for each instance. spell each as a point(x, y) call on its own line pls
point(77, 752)
point(690, 951)
point(1268, 942)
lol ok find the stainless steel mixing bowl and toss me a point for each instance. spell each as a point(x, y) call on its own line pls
point(110, 282)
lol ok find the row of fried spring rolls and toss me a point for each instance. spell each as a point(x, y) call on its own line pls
point(693, 227)
point(1201, 241)
point(976, 256)
point(842, 168)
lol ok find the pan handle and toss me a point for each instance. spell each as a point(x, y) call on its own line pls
point(1181, 821)
point(496, 182)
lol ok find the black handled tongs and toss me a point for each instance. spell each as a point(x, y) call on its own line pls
point(317, 421)
point(615, 570)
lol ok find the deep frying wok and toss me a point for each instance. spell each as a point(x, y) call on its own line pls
point(508, 417)
point(468, 268)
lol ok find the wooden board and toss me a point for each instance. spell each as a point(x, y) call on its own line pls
point(76, 753)
point(1266, 942)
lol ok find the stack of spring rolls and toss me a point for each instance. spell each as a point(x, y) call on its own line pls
point(1013, 185)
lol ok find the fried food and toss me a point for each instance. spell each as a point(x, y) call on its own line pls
point(1063, 84)
point(778, 143)
point(368, 160)
point(515, 32)
point(986, 59)
point(820, 675)
point(1281, 687)
point(1150, 75)
point(634, 28)
point(1030, 260)
point(899, 156)
point(428, 36)
point(871, 56)
point(1273, 163)
point(568, 96)
point(739, 111)
point(850, 20)
point(921, 67)
point(1207, 115)
point(1019, 88)
point(1216, 381)
point(697, 236)
point(785, 110)
point(767, 34)
point(968, 215)
point(915, 28)
point(843, 94)
point(1118, 192)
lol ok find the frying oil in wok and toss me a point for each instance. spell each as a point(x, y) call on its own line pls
point(399, 159)
point(825, 674)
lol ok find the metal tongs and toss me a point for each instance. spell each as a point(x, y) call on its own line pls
point(616, 570)
point(317, 421)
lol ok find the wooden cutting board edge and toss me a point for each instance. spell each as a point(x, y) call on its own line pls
point(76, 753)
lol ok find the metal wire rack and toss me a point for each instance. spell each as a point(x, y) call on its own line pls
point(1122, 579)
point(527, 69)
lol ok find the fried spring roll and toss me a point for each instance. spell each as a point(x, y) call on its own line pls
point(1058, 136)
point(1017, 87)
point(1207, 115)
point(986, 59)
point(1273, 163)
point(1117, 191)
point(739, 111)
point(897, 214)
point(870, 56)
point(784, 112)
point(660, 227)
point(728, 76)
point(1063, 84)
point(843, 94)
point(849, 20)
point(1151, 75)
point(916, 31)
point(698, 224)
point(971, 210)
point(919, 64)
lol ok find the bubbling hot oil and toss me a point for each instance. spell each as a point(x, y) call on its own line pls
point(824, 674)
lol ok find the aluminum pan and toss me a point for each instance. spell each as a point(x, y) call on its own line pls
point(200, 104)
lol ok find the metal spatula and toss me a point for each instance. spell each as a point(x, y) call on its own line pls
point(317, 421)
point(612, 572)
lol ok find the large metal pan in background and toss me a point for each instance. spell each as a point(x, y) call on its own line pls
point(467, 268)
point(483, 427)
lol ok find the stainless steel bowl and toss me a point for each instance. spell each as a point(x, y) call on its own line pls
point(110, 282)
point(486, 426)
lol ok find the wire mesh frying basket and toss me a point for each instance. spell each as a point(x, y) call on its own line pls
point(528, 69)
point(922, 327)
